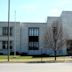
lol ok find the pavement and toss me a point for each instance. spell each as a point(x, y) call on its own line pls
point(35, 67)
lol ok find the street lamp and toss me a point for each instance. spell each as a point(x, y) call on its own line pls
point(8, 29)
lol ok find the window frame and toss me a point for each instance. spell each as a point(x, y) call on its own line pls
point(5, 31)
point(33, 29)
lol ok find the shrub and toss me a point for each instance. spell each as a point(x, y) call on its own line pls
point(42, 55)
point(23, 54)
point(17, 53)
point(12, 53)
point(1, 54)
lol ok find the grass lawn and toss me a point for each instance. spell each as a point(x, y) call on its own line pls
point(3, 58)
point(17, 57)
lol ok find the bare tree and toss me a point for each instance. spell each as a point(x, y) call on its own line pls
point(54, 37)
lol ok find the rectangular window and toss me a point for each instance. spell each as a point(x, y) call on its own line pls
point(33, 31)
point(0, 31)
point(33, 38)
point(33, 45)
point(11, 31)
point(0, 44)
point(5, 44)
point(5, 31)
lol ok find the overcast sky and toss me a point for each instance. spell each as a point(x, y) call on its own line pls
point(33, 10)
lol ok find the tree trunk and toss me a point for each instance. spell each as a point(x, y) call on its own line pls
point(55, 54)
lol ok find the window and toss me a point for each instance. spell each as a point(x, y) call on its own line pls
point(0, 31)
point(69, 47)
point(0, 44)
point(5, 31)
point(5, 44)
point(33, 31)
point(11, 30)
point(33, 45)
point(33, 38)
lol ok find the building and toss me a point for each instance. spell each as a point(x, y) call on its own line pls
point(14, 36)
point(28, 37)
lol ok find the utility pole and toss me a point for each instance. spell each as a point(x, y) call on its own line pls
point(15, 37)
point(8, 29)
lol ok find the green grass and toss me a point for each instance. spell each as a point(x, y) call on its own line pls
point(31, 59)
point(15, 57)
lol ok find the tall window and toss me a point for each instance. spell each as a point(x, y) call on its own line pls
point(5, 44)
point(0, 44)
point(0, 31)
point(33, 33)
point(5, 31)
point(69, 47)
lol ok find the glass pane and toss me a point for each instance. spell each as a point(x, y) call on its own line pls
point(0, 31)
point(0, 45)
point(35, 33)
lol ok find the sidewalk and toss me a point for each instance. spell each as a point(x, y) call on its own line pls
point(38, 67)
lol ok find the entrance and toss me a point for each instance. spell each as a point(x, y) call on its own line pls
point(69, 47)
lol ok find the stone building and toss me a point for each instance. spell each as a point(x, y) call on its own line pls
point(28, 37)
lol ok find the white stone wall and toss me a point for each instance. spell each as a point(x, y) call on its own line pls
point(24, 37)
point(15, 37)
point(20, 33)
point(50, 21)
point(66, 19)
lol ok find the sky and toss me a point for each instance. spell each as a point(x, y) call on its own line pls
point(33, 10)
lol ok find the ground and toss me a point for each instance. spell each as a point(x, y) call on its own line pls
point(40, 67)
point(25, 59)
